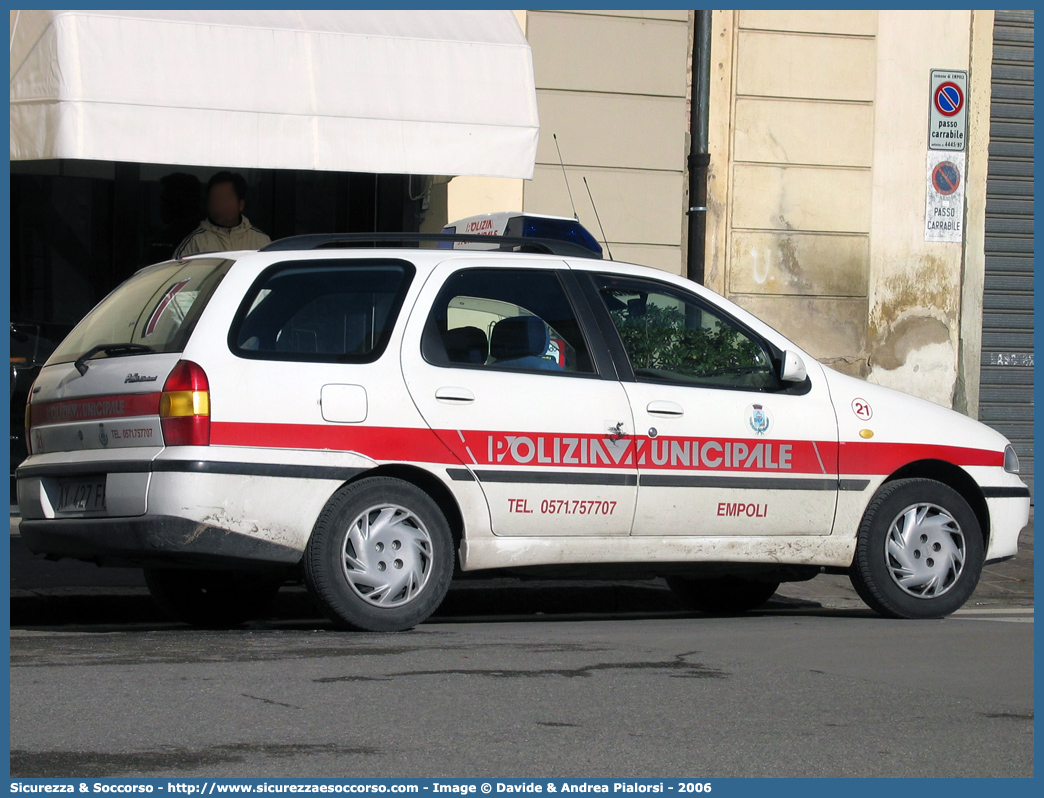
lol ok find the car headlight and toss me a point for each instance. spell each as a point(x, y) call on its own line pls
point(1011, 460)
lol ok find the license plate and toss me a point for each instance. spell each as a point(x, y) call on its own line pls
point(81, 495)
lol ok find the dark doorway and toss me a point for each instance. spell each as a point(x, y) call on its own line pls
point(79, 228)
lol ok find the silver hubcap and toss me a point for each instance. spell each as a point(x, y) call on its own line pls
point(386, 556)
point(925, 550)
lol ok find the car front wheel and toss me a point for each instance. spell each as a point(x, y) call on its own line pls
point(919, 551)
point(381, 556)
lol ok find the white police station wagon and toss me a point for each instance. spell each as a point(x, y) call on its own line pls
point(383, 419)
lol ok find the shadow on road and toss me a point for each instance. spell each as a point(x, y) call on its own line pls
point(70, 595)
point(487, 601)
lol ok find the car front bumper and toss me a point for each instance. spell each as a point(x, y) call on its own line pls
point(1008, 517)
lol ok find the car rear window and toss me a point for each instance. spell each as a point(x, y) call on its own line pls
point(325, 311)
point(157, 307)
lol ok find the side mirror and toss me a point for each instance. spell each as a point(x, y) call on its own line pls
point(793, 367)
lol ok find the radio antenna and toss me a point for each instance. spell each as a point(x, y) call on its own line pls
point(598, 219)
point(565, 176)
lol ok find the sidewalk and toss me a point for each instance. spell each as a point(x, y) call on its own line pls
point(67, 591)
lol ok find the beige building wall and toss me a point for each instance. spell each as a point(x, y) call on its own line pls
point(793, 179)
point(613, 87)
point(816, 219)
point(816, 192)
point(915, 290)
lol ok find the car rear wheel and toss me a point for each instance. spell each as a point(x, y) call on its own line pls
point(919, 551)
point(212, 599)
point(724, 595)
point(381, 556)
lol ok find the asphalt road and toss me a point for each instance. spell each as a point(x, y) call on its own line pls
point(522, 679)
point(790, 692)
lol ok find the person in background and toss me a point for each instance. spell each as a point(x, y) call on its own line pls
point(225, 228)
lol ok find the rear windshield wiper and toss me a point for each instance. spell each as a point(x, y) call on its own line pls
point(110, 350)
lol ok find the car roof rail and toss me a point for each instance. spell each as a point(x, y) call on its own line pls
point(546, 246)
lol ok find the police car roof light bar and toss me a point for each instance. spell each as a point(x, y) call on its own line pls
point(546, 246)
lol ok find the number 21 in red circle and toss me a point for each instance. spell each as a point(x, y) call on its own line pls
point(862, 409)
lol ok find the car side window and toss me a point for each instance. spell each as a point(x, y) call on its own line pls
point(322, 311)
point(672, 336)
point(517, 319)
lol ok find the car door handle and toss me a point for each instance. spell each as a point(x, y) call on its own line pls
point(665, 409)
point(455, 396)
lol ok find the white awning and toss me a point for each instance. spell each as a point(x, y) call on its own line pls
point(407, 92)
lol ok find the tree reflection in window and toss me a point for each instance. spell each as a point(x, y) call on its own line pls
point(670, 338)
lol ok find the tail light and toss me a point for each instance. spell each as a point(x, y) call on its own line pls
point(185, 406)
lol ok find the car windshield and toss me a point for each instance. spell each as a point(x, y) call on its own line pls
point(157, 308)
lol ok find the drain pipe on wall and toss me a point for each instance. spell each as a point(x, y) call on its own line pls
point(699, 157)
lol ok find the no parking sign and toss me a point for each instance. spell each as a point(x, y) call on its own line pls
point(944, 203)
point(948, 110)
